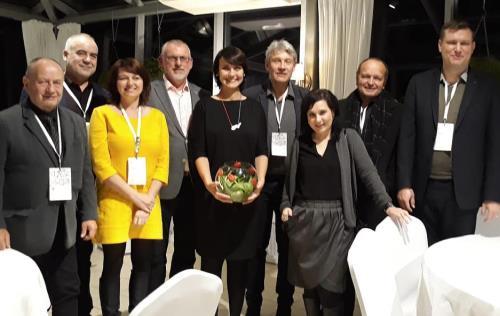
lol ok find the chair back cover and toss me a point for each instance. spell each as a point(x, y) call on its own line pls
point(22, 287)
point(190, 292)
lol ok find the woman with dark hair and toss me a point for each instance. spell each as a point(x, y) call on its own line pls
point(227, 127)
point(129, 147)
point(318, 203)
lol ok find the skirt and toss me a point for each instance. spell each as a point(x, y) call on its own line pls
point(318, 245)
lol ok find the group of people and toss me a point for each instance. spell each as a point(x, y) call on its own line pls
point(325, 168)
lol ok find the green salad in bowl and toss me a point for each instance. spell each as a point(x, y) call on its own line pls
point(236, 179)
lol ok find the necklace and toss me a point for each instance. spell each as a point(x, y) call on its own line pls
point(233, 126)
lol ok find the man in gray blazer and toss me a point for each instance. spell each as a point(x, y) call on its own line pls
point(176, 98)
point(45, 179)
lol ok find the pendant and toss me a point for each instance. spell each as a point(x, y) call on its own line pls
point(235, 126)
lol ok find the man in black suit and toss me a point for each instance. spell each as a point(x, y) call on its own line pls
point(81, 96)
point(45, 178)
point(376, 116)
point(176, 98)
point(281, 101)
point(449, 148)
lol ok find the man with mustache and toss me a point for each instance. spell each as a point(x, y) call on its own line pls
point(281, 101)
point(46, 182)
point(449, 145)
point(176, 97)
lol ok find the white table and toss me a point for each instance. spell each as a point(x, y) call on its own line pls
point(461, 276)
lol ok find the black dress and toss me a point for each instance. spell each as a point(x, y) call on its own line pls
point(229, 231)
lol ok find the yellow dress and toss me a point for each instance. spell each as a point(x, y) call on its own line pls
point(111, 144)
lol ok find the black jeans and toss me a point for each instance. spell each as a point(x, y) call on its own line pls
point(83, 252)
point(441, 215)
point(236, 280)
point(139, 285)
point(181, 209)
point(271, 199)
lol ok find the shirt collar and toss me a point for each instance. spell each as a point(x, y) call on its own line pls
point(76, 87)
point(463, 77)
point(290, 94)
point(171, 87)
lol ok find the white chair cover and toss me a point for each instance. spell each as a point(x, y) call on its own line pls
point(190, 292)
point(22, 288)
point(406, 246)
point(374, 284)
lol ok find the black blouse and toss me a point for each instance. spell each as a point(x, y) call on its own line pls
point(318, 177)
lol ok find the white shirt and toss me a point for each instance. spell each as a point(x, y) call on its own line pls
point(181, 101)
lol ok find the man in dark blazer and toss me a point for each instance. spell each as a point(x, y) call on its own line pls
point(376, 116)
point(281, 101)
point(81, 95)
point(176, 98)
point(45, 178)
point(449, 148)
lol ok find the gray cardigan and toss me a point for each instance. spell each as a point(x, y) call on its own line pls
point(355, 163)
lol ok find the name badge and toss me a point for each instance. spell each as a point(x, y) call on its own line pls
point(278, 144)
point(444, 137)
point(59, 184)
point(136, 171)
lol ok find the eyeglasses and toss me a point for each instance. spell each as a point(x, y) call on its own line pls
point(181, 59)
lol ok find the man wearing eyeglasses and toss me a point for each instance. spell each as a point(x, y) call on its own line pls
point(176, 98)
point(281, 102)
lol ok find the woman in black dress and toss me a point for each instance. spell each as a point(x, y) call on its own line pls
point(227, 127)
point(318, 203)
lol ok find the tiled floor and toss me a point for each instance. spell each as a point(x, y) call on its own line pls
point(268, 305)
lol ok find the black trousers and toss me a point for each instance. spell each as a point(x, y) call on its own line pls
point(270, 199)
point(236, 280)
point(140, 286)
point(60, 272)
point(181, 209)
point(83, 252)
point(441, 215)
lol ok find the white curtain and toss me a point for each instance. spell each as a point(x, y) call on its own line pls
point(40, 40)
point(344, 41)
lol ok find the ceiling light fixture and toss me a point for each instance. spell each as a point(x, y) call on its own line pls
point(196, 7)
point(393, 4)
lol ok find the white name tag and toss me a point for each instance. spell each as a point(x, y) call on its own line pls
point(59, 184)
point(278, 144)
point(444, 137)
point(136, 171)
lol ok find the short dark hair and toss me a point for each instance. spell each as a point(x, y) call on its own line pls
point(455, 25)
point(232, 55)
point(307, 103)
point(130, 65)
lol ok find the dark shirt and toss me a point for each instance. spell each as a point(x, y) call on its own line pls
point(318, 178)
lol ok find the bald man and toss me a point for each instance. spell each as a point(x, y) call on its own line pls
point(45, 172)
point(81, 95)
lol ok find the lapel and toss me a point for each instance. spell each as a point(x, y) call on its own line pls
point(470, 90)
point(162, 94)
point(195, 97)
point(434, 96)
point(68, 133)
point(263, 98)
point(32, 125)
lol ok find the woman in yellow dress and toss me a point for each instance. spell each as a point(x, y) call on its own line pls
point(129, 146)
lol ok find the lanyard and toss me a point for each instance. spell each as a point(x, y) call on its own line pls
point(84, 111)
point(447, 103)
point(49, 139)
point(362, 117)
point(137, 136)
point(279, 115)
